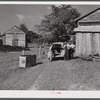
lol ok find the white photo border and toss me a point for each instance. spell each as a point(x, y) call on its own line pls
point(48, 94)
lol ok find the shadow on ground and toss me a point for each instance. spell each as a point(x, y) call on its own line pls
point(59, 58)
point(39, 63)
point(62, 58)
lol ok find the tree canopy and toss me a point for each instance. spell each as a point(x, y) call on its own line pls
point(60, 21)
point(30, 35)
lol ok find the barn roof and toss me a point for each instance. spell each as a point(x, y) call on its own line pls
point(91, 16)
point(87, 29)
point(14, 29)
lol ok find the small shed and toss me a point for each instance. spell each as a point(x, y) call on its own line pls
point(88, 34)
point(14, 37)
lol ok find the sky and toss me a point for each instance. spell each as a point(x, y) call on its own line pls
point(11, 15)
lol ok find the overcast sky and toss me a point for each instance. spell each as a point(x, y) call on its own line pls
point(11, 15)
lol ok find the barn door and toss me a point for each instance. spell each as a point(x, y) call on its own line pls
point(15, 42)
point(15, 39)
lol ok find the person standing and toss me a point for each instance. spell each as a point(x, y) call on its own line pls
point(66, 56)
point(71, 47)
point(69, 50)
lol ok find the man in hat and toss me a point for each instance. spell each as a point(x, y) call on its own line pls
point(71, 47)
point(69, 50)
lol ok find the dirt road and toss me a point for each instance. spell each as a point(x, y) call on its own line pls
point(14, 78)
point(69, 75)
point(75, 74)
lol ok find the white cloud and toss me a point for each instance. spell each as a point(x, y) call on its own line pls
point(29, 17)
point(32, 19)
point(57, 5)
point(20, 17)
point(41, 17)
point(49, 8)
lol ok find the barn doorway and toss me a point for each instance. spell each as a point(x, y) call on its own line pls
point(15, 42)
point(15, 39)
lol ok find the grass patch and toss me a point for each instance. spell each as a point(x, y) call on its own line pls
point(14, 78)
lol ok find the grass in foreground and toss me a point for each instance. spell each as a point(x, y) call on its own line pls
point(14, 78)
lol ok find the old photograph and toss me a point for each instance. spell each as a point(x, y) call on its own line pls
point(49, 47)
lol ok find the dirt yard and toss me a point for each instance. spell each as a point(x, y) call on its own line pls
point(69, 75)
point(74, 74)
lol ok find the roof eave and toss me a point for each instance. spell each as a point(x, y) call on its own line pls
point(86, 15)
point(87, 31)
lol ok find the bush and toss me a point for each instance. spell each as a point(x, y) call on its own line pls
point(12, 48)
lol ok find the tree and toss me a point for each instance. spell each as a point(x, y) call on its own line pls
point(24, 28)
point(30, 35)
point(60, 21)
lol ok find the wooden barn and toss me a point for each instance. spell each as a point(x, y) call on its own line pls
point(88, 34)
point(14, 37)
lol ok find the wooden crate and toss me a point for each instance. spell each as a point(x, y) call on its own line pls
point(27, 61)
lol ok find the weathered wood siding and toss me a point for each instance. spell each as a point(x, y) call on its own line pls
point(87, 44)
point(88, 34)
point(4, 40)
point(21, 39)
point(9, 39)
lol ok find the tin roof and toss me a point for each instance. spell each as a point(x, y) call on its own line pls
point(95, 29)
point(14, 29)
point(91, 16)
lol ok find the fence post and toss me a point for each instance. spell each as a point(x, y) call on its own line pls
point(40, 51)
point(23, 52)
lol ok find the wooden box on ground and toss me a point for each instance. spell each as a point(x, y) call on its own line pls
point(27, 61)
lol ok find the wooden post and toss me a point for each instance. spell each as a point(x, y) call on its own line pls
point(45, 50)
point(66, 56)
point(99, 44)
point(40, 51)
point(23, 52)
